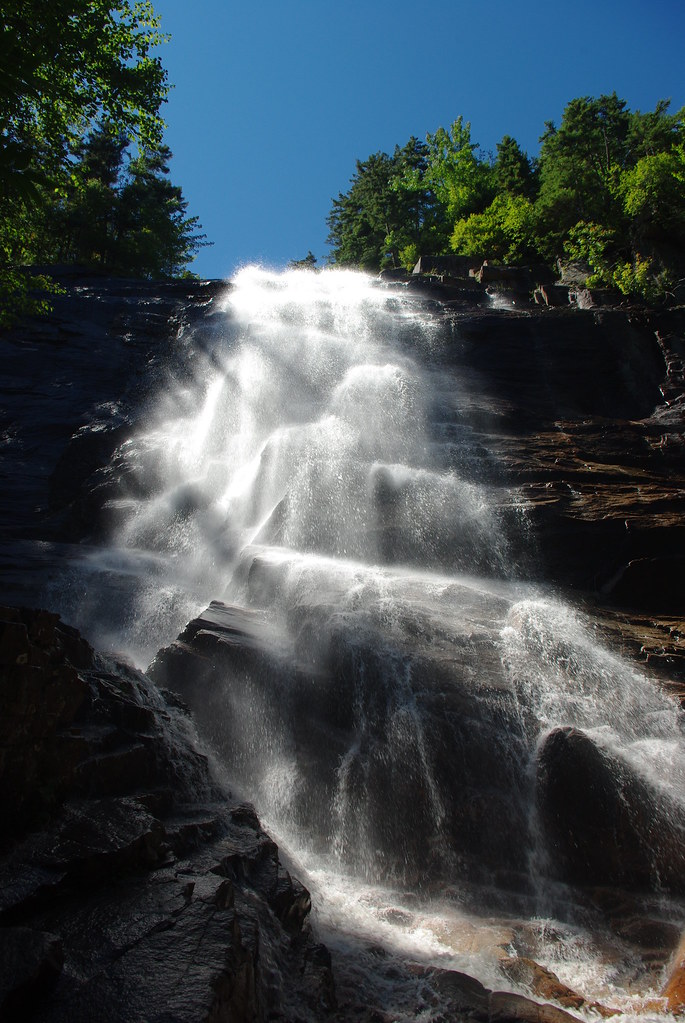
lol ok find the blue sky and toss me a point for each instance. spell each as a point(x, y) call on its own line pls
point(273, 101)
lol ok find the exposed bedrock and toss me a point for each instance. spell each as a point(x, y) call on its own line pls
point(132, 887)
point(582, 411)
point(419, 761)
point(399, 761)
point(604, 824)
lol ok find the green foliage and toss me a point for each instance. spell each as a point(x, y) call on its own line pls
point(607, 188)
point(593, 244)
point(359, 221)
point(462, 183)
point(641, 278)
point(23, 294)
point(596, 245)
point(512, 171)
point(66, 67)
point(505, 231)
point(387, 208)
point(409, 255)
point(155, 237)
point(116, 212)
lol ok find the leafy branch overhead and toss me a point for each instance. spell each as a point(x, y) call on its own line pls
point(71, 73)
point(607, 188)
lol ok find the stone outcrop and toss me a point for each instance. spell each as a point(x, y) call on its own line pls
point(583, 412)
point(131, 886)
point(320, 704)
point(604, 826)
point(674, 989)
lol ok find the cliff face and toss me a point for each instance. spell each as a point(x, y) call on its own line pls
point(582, 410)
point(73, 386)
point(578, 416)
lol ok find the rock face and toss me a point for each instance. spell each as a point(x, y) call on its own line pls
point(124, 867)
point(601, 818)
point(132, 886)
point(582, 410)
point(346, 699)
point(73, 386)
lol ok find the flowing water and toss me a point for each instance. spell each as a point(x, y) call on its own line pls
point(324, 472)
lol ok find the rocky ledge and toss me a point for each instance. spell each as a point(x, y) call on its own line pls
point(132, 887)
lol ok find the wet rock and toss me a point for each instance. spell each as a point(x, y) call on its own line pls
point(466, 998)
point(504, 1005)
point(415, 807)
point(131, 886)
point(542, 983)
point(674, 988)
point(30, 965)
point(603, 824)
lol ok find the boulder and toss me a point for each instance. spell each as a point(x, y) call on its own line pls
point(124, 865)
point(551, 295)
point(30, 966)
point(603, 824)
point(457, 266)
point(542, 983)
point(592, 298)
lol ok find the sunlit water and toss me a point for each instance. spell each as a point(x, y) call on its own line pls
point(321, 469)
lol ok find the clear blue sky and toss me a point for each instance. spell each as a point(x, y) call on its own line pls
point(273, 101)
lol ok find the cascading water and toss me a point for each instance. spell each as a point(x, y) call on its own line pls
point(412, 702)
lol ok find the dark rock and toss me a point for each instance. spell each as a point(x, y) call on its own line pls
point(458, 266)
point(394, 275)
point(30, 966)
point(552, 295)
point(604, 825)
point(504, 1006)
point(320, 709)
point(658, 583)
point(573, 273)
point(108, 877)
point(586, 298)
point(517, 278)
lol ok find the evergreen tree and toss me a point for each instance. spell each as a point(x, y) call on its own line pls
point(362, 218)
point(66, 66)
point(512, 171)
point(155, 236)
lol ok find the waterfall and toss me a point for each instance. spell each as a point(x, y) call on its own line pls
point(419, 694)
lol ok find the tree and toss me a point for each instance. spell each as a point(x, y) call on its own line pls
point(512, 171)
point(505, 231)
point(66, 64)
point(85, 225)
point(461, 181)
point(580, 166)
point(387, 209)
point(608, 188)
point(155, 237)
point(417, 213)
point(359, 219)
point(63, 66)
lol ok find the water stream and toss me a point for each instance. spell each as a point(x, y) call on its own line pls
point(325, 473)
